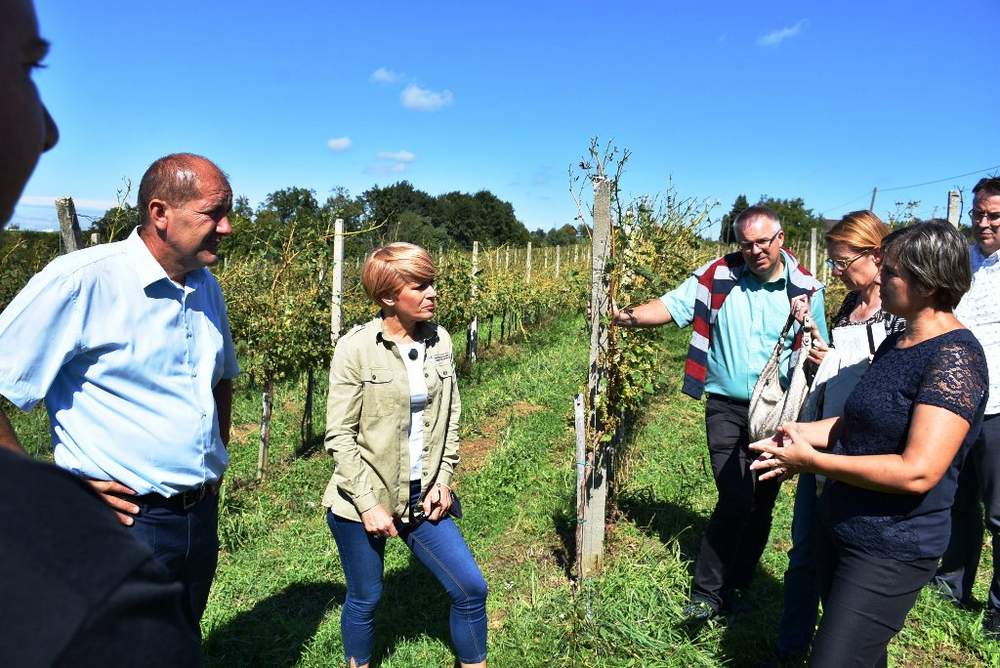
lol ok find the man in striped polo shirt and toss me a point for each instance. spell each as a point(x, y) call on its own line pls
point(738, 305)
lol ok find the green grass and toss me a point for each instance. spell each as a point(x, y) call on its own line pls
point(279, 589)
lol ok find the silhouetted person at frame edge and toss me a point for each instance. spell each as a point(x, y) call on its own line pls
point(752, 290)
point(76, 589)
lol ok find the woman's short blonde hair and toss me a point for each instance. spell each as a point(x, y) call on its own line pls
point(389, 268)
point(861, 230)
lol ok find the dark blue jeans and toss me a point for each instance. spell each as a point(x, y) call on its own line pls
point(442, 549)
point(801, 606)
point(187, 544)
point(978, 481)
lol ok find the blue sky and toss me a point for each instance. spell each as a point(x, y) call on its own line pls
point(792, 99)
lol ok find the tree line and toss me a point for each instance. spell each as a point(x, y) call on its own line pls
point(379, 215)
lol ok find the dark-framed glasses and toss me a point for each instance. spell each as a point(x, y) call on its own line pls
point(992, 216)
point(761, 243)
point(842, 264)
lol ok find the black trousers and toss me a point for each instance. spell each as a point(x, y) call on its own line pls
point(738, 530)
point(978, 480)
point(865, 602)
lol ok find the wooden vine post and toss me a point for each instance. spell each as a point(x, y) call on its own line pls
point(69, 225)
point(590, 546)
point(337, 282)
point(527, 265)
point(812, 251)
point(472, 335)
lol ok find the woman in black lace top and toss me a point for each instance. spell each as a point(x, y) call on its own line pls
point(894, 456)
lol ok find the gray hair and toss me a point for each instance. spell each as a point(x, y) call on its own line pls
point(937, 257)
point(754, 212)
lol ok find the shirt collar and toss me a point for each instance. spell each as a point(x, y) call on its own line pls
point(979, 259)
point(148, 269)
point(426, 331)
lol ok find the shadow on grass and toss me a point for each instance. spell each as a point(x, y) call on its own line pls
point(749, 634)
point(276, 631)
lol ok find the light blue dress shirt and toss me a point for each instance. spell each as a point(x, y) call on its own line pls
point(126, 360)
point(745, 330)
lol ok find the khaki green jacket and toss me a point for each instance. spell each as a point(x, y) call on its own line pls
point(368, 418)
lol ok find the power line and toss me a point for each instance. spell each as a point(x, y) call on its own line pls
point(930, 183)
point(914, 185)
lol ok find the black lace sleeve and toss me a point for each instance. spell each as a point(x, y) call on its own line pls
point(955, 378)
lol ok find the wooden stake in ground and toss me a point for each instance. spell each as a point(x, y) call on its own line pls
point(472, 336)
point(527, 265)
point(581, 478)
point(812, 251)
point(265, 427)
point(599, 458)
point(69, 225)
point(337, 282)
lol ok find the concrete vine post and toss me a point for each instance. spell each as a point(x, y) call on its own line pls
point(507, 259)
point(954, 207)
point(557, 261)
point(598, 460)
point(69, 225)
point(472, 335)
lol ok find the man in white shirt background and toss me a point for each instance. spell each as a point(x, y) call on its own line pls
point(979, 310)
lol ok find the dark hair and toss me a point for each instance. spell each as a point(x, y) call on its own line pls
point(989, 185)
point(937, 257)
point(173, 179)
point(753, 212)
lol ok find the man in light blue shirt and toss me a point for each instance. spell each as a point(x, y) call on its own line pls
point(129, 345)
point(738, 306)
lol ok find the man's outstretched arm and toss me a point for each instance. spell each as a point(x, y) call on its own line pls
point(650, 314)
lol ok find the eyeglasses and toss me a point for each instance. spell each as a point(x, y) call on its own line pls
point(977, 215)
point(762, 243)
point(842, 265)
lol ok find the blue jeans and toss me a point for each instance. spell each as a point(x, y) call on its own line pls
point(801, 605)
point(441, 548)
point(187, 544)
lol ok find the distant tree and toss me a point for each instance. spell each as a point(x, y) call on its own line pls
point(561, 236)
point(116, 223)
point(726, 232)
point(385, 204)
point(796, 219)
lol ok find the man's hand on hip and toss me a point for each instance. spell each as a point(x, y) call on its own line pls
point(110, 491)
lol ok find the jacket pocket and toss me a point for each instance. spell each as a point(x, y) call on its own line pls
point(377, 399)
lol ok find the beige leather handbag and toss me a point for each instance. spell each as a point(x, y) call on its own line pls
point(770, 405)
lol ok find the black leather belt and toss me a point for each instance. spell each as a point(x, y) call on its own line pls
point(186, 500)
point(728, 400)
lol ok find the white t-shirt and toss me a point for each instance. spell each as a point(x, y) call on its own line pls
point(418, 401)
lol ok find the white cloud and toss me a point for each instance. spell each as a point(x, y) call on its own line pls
point(386, 169)
point(50, 200)
point(384, 75)
point(776, 37)
point(422, 99)
point(339, 144)
point(397, 156)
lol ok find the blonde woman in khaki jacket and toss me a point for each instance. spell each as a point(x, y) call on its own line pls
point(392, 428)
